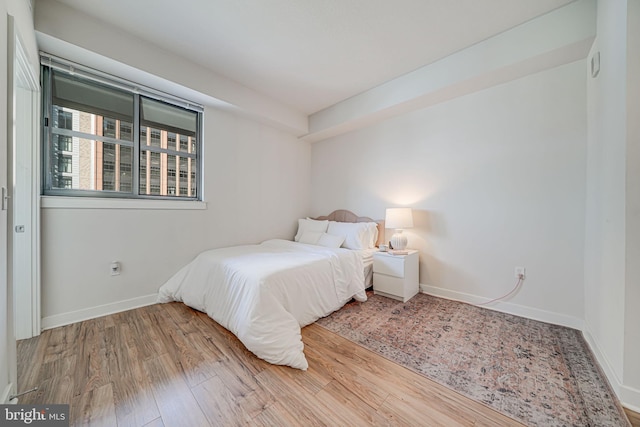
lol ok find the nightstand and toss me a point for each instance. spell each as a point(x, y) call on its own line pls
point(396, 276)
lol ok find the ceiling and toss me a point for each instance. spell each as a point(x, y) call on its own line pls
point(311, 54)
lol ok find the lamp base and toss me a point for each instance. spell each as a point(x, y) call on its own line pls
point(399, 240)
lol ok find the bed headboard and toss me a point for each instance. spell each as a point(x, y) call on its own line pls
point(342, 215)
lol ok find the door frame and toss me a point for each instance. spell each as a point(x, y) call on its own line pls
point(24, 207)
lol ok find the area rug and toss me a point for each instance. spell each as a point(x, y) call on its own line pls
point(537, 373)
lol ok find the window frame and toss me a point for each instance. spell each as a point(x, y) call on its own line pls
point(48, 63)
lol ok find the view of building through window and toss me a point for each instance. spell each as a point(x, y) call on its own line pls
point(159, 169)
point(83, 163)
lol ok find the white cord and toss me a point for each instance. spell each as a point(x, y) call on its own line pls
point(518, 283)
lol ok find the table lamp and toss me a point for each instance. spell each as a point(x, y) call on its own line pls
point(399, 218)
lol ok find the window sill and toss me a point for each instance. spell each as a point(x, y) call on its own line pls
point(61, 202)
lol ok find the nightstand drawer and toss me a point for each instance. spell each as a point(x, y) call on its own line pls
point(388, 284)
point(389, 265)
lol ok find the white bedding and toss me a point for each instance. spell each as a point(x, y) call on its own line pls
point(367, 262)
point(265, 293)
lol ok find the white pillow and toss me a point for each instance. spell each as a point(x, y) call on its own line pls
point(373, 233)
point(357, 235)
point(310, 225)
point(310, 237)
point(330, 241)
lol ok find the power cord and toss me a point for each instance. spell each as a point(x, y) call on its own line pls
point(517, 285)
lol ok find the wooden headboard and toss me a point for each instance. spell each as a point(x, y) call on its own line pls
point(342, 215)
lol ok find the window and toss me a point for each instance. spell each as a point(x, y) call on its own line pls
point(64, 143)
point(103, 138)
point(65, 164)
point(66, 182)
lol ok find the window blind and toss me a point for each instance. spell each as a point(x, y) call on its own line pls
point(159, 115)
point(68, 91)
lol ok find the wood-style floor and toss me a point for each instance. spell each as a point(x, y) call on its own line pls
point(168, 365)
point(634, 417)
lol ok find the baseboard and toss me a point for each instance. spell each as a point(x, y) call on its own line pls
point(506, 307)
point(4, 398)
point(628, 396)
point(603, 361)
point(62, 319)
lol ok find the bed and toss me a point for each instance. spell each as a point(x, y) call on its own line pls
point(265, 293)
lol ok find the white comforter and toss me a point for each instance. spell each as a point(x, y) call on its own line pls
point(265, 293)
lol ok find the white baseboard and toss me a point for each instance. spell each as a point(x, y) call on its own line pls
point(506, 307)
point(603, 361)
point(628, 396)
point(62, 319)
point(4, 398)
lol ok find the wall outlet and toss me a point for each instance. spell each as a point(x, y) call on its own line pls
point(115, 268)
point(519, 273)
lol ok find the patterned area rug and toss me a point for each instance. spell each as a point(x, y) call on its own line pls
point(535, 372)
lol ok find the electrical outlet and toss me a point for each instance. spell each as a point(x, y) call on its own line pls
point(519, 273)
point(115, 268)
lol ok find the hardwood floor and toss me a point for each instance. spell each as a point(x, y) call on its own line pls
point(168, 365)
point(634, 417)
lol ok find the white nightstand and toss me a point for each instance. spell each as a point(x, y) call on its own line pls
point(396, 276)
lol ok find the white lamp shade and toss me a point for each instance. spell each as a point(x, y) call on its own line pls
point(398, 218)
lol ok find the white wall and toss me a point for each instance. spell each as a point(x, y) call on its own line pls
point(497, 180)
point(612, 242)
point(631, 388)
point(605, 212)
point(23, 22)
point(256, 186)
